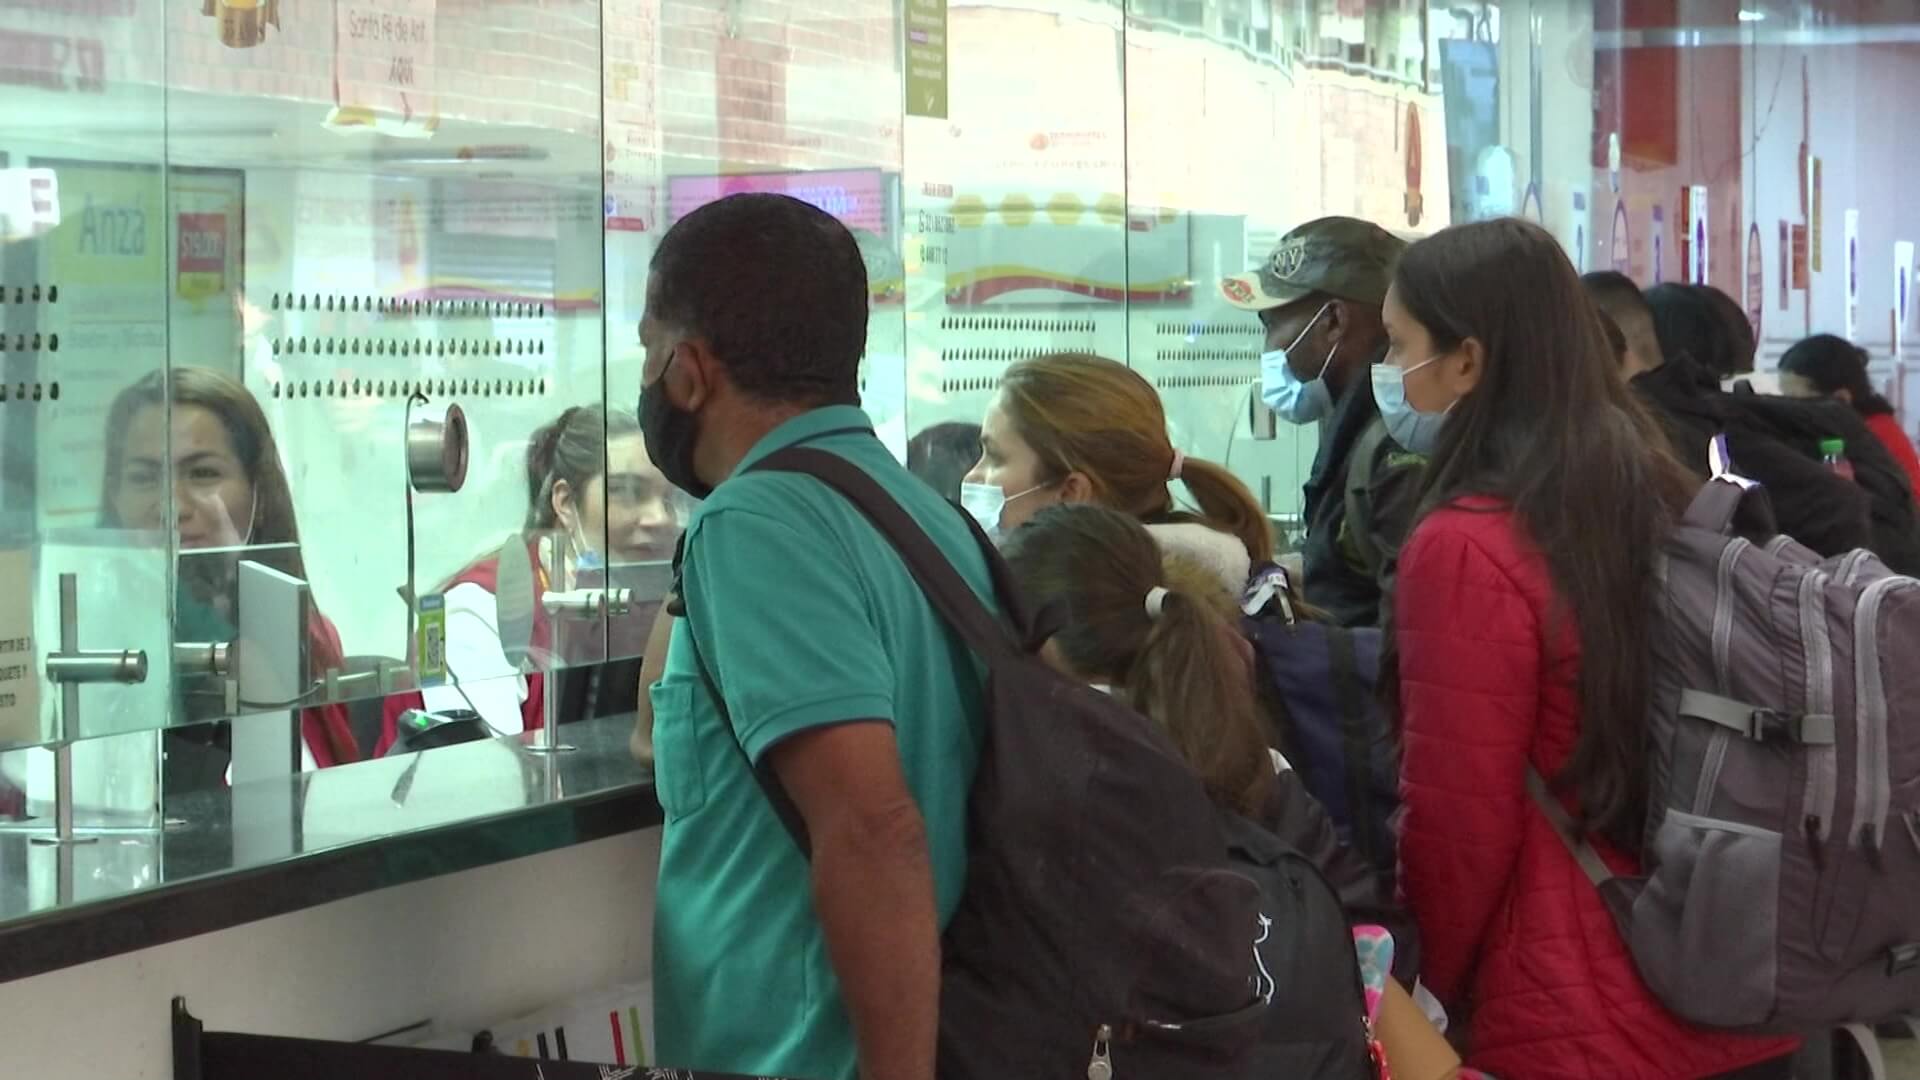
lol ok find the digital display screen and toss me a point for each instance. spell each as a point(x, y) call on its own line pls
point(858, 197)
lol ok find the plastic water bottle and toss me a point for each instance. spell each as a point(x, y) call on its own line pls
point(1834, 453)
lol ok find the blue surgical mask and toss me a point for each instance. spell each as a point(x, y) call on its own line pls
point(585, 555)
point(1295, 400)
point(1417, 432)
point(987, 503)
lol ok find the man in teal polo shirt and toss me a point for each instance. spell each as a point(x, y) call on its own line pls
point(837, 675)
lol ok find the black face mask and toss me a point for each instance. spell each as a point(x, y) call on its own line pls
point(668, 431)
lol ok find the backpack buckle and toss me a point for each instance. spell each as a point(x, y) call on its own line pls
point(1902, 959)
point(1768, 725)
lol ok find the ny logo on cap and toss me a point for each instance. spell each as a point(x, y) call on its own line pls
point(1286, 260)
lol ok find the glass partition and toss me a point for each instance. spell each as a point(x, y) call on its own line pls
point(262, 263)
point(1016, 213)
point(85, 302)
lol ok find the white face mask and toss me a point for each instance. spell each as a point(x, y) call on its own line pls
point(988, 503)
point(1295, 400)
point(1417, 432)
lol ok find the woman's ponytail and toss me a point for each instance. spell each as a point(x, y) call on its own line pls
point(1194, 676)
point(542, 449)
point(572, 448)
point(1157, 628)
point(1226, 504)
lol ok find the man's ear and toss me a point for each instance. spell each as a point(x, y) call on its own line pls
point(1337, 323)
point(693, 375)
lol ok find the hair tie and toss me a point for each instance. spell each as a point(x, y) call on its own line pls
point(1179, 465)
point(1156, 602)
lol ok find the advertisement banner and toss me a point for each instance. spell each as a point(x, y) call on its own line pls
point(1852, 267)
point(631, 96)
point(1818, 219)
point(383, 60)
point(1659, 234)
point(1902, 292)
point(110, 242)
point(202, 260)
point(19, 677)
point(1697, 250)
point(858, 197)
point(1786, 266)
point(1019, 250)
point(927, 82)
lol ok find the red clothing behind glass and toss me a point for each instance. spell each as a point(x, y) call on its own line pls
point(1886, 428)
point(328, 735)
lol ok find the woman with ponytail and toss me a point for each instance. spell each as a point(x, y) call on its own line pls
point(1157, 632)
point(1147, 628)
point(594, 502)
point(1074, 428)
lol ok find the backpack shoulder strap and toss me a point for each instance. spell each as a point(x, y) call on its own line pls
point(949, 593)
point(1360, 468)
point(1582, 850)
point(1356, 742)
point(777, 798)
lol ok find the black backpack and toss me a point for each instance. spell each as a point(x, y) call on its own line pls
point(1803, 424)
point(1105, 929)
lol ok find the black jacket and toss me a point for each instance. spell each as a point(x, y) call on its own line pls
point(1297, 818)
point(1804, 424)
point(1339, 581)
point(1828, 514)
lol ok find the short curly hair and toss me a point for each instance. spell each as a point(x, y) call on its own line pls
point(777, 289)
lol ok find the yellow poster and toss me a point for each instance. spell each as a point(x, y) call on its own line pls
point(19, 676)
point(111, 240)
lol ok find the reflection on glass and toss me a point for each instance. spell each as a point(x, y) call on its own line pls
point(209, 470)
point(264, 201)
point(943, 454)
point(590, 478)
point(599, 517)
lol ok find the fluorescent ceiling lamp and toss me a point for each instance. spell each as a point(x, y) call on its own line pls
point(1752, 16)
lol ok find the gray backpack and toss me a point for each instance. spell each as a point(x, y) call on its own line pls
point(1782, 855)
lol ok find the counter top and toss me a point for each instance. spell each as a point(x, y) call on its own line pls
point(312, 839)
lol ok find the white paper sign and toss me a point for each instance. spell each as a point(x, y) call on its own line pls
point(1853, 275)
point(635, 163)
point(19, 673)
point(29, 203)
point(383, 58)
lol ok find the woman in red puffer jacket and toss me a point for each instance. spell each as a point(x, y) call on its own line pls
point(1520, 630)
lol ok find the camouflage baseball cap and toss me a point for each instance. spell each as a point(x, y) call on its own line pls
point(1337, 256)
